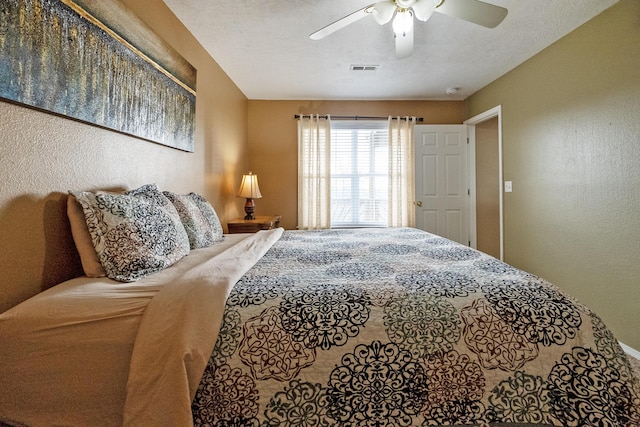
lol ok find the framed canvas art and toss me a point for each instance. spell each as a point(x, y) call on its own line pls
point(96, 62)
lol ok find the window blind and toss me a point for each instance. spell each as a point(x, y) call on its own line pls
point(359, 173)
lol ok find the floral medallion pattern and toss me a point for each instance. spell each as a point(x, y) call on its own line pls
point(445, 284)
point(229, 335)
point(423, 326)
point(269, 351)
point(234, 393)
point(610, 349)
point(359, 271)
point(300, 404)
point(324, 257)
point(495, 266)
point(198, 217)
point(383, 297)
point(257, 290)
point(585, 390)
point(455, 387)
point(376, 385)
point(454, 253)
point(394, 249)
point(439, 241)
point(494, 340)
point(521, 398)
point(397, 327)
point(541, 314)
point(324, 316)
point(342, 245)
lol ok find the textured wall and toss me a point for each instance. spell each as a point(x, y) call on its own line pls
point(273, 141)
point(42, 156)
point(571, 140)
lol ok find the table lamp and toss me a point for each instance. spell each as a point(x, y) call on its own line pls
point(249, 189)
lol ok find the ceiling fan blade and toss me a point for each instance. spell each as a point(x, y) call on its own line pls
point(404, 44)
point(476, 11)
point(341, 23)
point(423, 9)
point(383, 11)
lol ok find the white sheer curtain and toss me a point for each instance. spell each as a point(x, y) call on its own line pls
point(314, 180)
point(401, 172)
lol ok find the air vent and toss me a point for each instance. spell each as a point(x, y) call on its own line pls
point(364, 67)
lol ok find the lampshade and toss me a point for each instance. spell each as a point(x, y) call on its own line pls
point(249, 187)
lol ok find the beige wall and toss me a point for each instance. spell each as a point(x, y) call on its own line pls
point(273, 136)
point(571, 140)
point(43, 156)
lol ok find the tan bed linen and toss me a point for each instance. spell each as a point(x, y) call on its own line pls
point(178, 332)
point(65, 353)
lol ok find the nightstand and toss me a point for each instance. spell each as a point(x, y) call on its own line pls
point(253, 225)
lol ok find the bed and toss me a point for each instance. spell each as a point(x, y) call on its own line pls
point(354, 327)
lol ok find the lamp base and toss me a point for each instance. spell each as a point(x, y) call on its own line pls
point(249, 207)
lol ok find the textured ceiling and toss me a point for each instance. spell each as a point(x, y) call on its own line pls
point(264, 47)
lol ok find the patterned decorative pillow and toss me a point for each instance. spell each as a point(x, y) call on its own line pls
point(198, 218)
point(82, 238)
point(136, 233)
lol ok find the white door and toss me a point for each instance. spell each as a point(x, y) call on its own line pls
point(442, 181)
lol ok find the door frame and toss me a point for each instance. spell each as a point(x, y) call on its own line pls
point(471, 129)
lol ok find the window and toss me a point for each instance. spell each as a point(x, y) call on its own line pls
point(355, 173)
point(359, 173)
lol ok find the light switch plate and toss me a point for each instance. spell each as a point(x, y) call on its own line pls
point(508, 186)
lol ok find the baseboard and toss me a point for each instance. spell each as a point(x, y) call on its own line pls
point(630, 351)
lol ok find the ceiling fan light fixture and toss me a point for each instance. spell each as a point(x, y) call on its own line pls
point(403, 22)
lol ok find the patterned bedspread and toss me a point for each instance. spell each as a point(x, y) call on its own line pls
point(397, 327)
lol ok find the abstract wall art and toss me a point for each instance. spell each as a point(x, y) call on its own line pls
point(96, 62)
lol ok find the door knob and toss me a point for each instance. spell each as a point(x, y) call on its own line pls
point(419, 203)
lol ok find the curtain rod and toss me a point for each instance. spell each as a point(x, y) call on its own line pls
point(418, 119)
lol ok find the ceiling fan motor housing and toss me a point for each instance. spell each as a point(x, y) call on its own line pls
point(405, 4)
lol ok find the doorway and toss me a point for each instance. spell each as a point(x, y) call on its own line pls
point(486, 214)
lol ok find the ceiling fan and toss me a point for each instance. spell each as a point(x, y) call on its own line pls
point(402, 13)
